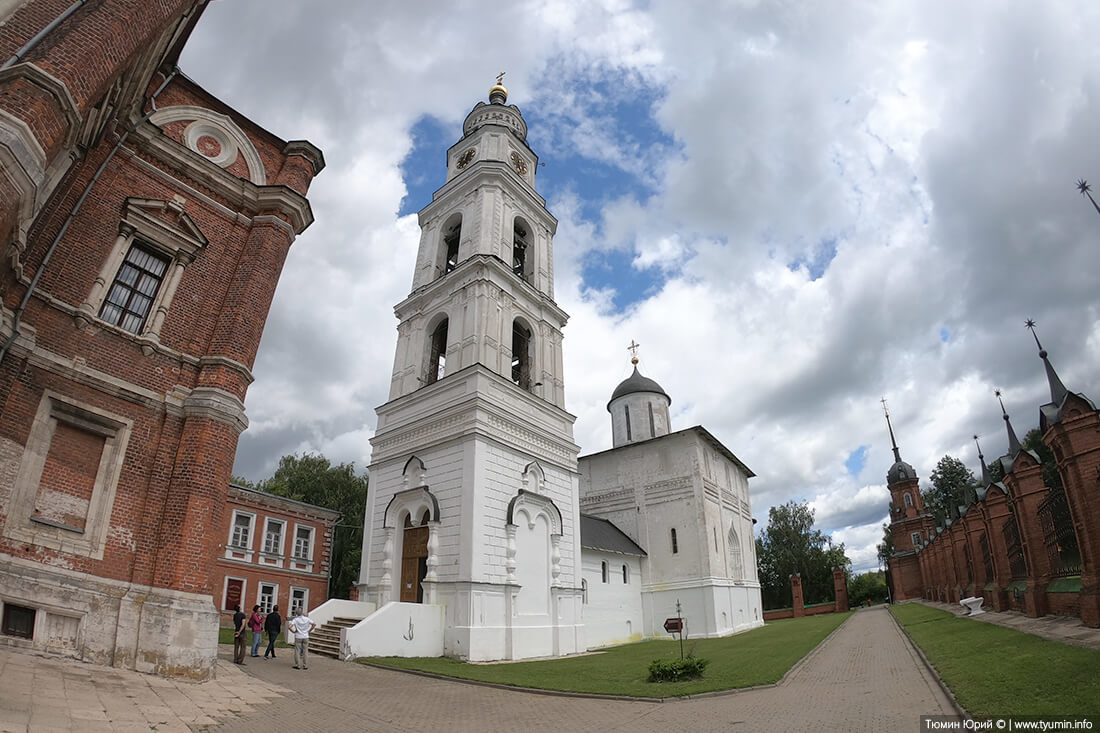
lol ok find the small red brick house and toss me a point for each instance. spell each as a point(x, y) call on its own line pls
point(277, 551)
point(143, 227)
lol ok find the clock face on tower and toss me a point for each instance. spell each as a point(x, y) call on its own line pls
point(465, 159)
point(519, 163)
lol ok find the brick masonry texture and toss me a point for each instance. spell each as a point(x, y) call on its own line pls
point(167, 518)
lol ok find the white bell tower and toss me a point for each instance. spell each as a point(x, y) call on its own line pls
point(473, 501)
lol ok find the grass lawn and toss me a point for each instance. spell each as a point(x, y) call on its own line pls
point(995, 671)
point(225, 636)
point(758, 657)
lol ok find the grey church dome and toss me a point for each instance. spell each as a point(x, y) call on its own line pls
point(900, 471)
point(637, 383)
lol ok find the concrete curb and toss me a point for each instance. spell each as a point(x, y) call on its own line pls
point(928, 666)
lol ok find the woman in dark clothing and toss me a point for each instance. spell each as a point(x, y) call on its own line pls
point(273, 625)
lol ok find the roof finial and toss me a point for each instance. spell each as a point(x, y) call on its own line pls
point(894, 443)
point(1083, 187)
point(1058, 390)
point(498, 94)
point(1013, 441)
point(633, 349)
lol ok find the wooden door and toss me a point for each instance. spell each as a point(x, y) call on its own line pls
point(233, 588)
point(414, 564)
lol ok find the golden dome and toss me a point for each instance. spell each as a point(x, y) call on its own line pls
point(498, 88)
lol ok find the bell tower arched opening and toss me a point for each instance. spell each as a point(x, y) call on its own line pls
point(448, 246)
point(521, 354)
point(437, 353)
point(521, 249)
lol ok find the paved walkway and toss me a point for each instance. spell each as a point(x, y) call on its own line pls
point(850, 682)
point(1065, 629)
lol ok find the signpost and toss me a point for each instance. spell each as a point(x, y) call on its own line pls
point(676, 625)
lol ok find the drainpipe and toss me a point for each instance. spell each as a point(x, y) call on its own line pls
point(42, 34)
point(72, 215)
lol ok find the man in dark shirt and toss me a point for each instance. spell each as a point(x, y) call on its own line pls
point(273, 625)
point(238, 635)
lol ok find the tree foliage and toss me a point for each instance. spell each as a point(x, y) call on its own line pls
point(952, 482)
point(313, 479)
point(869, 586)
point(791, 545)
point(886, 547)
point(1034, 441)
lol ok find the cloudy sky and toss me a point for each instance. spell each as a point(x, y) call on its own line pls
point(795, 208)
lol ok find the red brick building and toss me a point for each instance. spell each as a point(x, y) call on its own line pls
point(277, 552)
point(1017, 542)
point(143, 226)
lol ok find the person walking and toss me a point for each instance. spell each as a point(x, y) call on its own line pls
point(301, 625)
point(256, 623)
point(238, 635)
point(272, 625)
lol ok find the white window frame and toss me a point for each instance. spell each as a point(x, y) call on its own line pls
point(268, 521)
point(21, 526)
point(260, 596)
point(144, 223)
point(308, 557)
point(305, 599)
point(251, 529)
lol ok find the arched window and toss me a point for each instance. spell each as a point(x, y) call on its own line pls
point(675, 546)
point(584, 590)
point(626, 413)
point(437, 354)
point(908, 500)
point(603, 570)
point(521, 355)
point(448, 251)
point(626, 575)
point(521, 264)
point(652, 427)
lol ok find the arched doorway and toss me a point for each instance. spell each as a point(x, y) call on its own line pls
point(414, 559)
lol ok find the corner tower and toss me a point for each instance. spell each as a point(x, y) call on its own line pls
point(473, 503)
point(909, 524)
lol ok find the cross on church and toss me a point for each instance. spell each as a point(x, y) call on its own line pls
point(500, 78)
point(633, 348)
point(885, 411)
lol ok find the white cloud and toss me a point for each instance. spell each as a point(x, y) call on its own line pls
point(935, 144)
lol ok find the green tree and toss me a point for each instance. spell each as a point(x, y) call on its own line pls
point(791, 545)
point(313, 479)
point(886, 547)
point(951, 484)
point(1033, 441)
point(869, 586)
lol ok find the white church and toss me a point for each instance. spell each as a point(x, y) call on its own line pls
point(487, 537)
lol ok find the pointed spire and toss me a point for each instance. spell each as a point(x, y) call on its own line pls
point(1013, 442)
point(987, 479)
point(894, 443)
point(1058, 390)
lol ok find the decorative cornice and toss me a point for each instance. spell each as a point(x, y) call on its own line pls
point(231, 138)
point(244, 194)
point(225, 361)
point(52, 86)
point(307, 150)
point(216, 404)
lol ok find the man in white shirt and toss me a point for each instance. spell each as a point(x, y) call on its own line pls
point(301, 625)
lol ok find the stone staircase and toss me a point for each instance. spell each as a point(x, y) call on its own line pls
point(325, 639)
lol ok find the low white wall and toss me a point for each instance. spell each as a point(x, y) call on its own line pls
point(334, 607)
point(396, 630)
point(329, 610)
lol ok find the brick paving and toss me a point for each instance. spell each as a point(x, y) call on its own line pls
point(865, 676)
